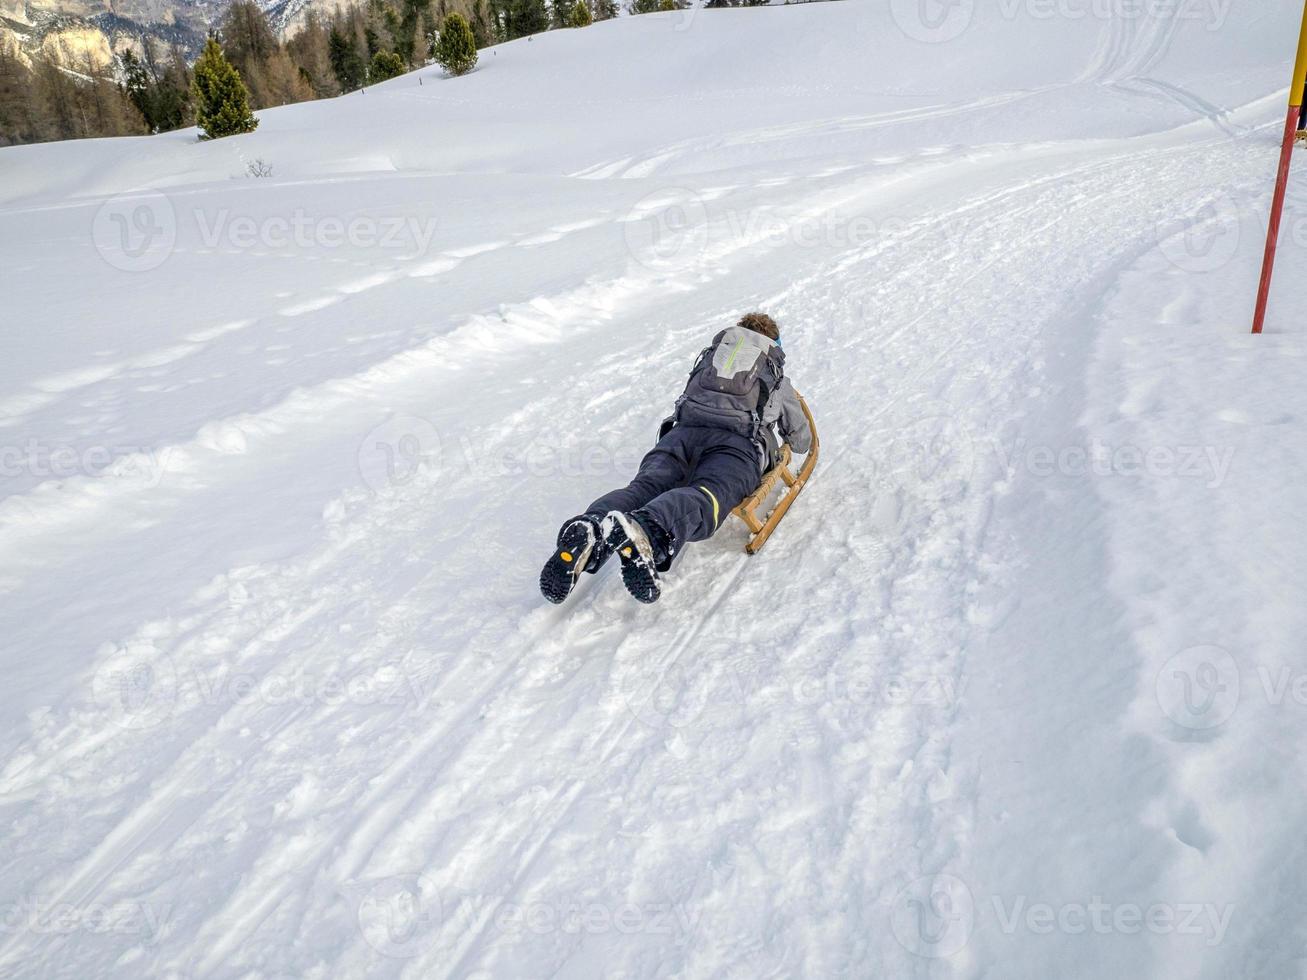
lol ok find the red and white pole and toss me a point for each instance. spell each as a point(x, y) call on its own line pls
point(1282, 176)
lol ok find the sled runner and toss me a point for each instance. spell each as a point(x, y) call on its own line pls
point(780, 474)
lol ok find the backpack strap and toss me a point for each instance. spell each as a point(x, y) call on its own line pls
point(699, 363)
point(769, 379)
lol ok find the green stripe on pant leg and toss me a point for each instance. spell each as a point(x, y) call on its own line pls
point(716, 511)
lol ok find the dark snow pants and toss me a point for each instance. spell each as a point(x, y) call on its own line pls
point(690, 482)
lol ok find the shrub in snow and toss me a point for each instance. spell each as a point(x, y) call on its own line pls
point(456, 49)
point(385, 64)
point(580, 15)
point(222, 103)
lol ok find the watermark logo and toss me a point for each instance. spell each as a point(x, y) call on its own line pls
point(135, 233)
point(674, 697)
point(933, 21)
point(1198, 688)
point(930, 457)
point(137, 686)
point(1202, 233)
point(934, 916)
point(667, 228)
point(143, 465)
point(685, 15)
point(302, 230)
point(141, 921)
point(397, 451)
point(398, 914)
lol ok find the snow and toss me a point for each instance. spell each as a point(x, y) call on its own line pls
point(1015, 691)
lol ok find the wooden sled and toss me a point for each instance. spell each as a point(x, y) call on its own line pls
point(779, 475)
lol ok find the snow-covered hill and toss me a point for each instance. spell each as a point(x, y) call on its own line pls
point(288, 422)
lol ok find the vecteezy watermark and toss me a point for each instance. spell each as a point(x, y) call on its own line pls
point(674, 695)
point(933, 916)
point(403, 915)
point(548, 458)
point(678, 695)
point(1201, 687)
point(137, 685)
point(775, 226)
point(674, 921)
point(937, 915)
point(141, 687)
point(303, 230)
point(667, 228)
point(932, 457)
point(1198, 688)
point(396, 915)
point(1205, 920)
point(135, 232)
point(1201, 233)
point(1283, 683)
point(1211, 464)
point(143, 464)
point(138, 232)
point(397, 451)
point(142, 921)
point(868, 686)
point(386, 684)
point(939, 21)
point(933, 21)
point(1211, 14)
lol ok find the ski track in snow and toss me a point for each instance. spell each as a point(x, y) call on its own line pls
point(709, 758)
point(393, 805)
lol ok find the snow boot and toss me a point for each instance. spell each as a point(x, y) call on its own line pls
point(581, 548)
point(643, 548)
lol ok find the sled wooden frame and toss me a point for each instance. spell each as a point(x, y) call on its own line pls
point(761, 530)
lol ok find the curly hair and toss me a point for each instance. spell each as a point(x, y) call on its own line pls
point(760, 323)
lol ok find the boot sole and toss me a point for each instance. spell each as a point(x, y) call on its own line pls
point(637, 576)
point(563, 569)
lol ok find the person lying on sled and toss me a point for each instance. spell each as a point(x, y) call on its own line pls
point(737, 410)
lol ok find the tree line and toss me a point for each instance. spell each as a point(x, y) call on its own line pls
point(155, 89)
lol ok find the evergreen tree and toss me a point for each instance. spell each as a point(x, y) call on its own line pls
point(523, 17)
point(605, 9)
point(221, 100)
point(172, 93)
point(385, 64)
point(346, 62)
point(580, 16)
point(138, 85)
point(456, 49)
point(160, 93)
point(413, 13)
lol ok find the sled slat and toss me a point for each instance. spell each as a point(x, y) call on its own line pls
point(747, 511)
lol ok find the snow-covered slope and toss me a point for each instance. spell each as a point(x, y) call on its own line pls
point(1014, 692)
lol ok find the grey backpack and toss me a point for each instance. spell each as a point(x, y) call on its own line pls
point(731, 382)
